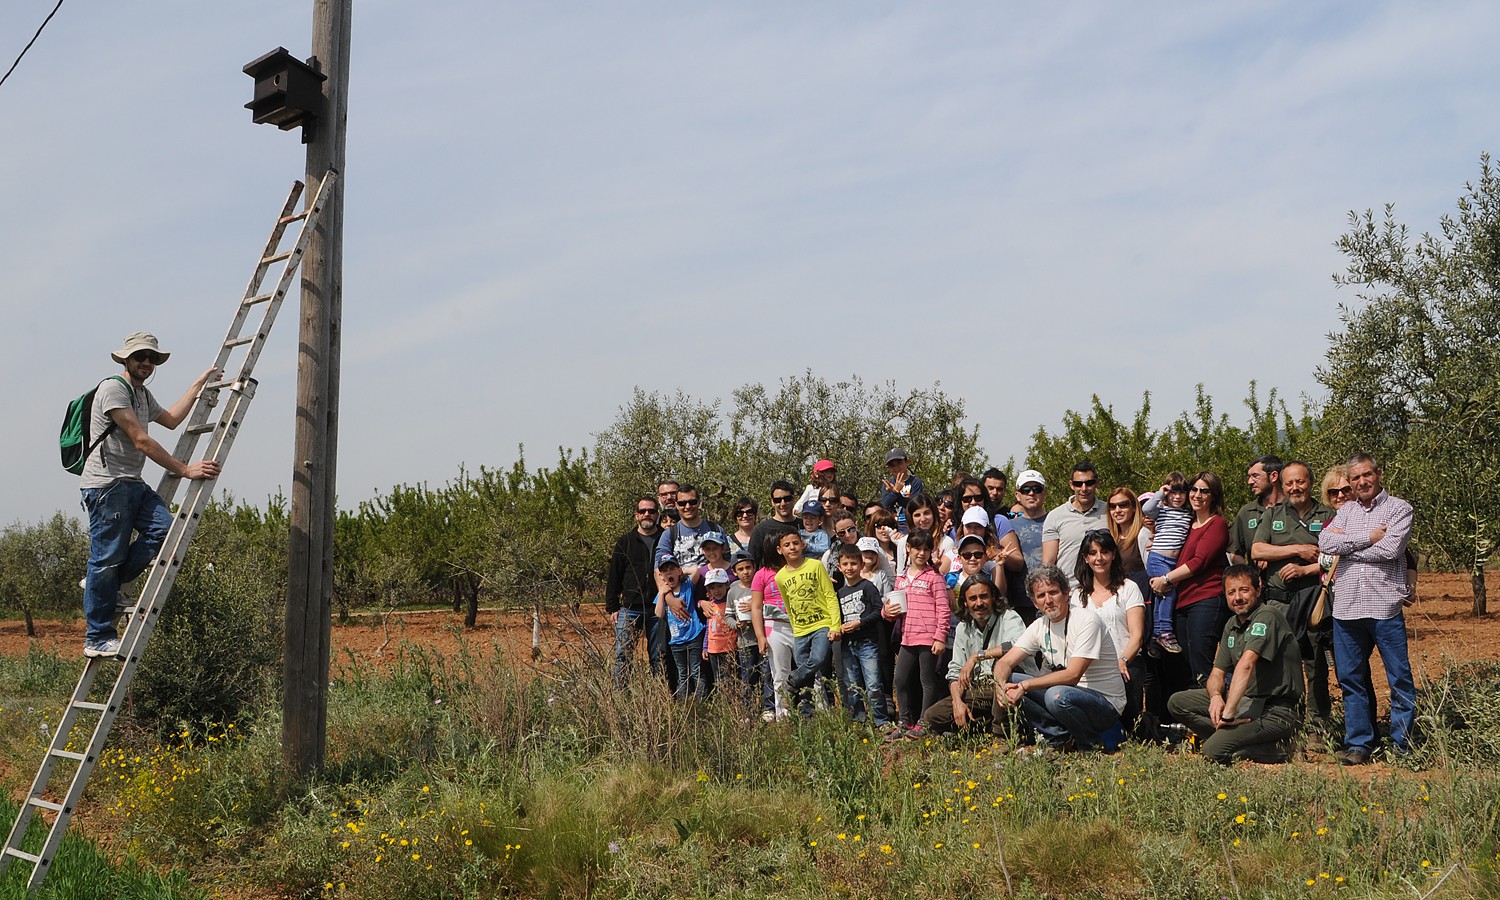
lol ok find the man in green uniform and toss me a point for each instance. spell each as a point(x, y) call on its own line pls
point(1264, 478)
point(1286, 544)
point(1249, 708)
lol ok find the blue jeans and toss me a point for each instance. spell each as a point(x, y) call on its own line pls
point(1353, 639)
point(114, 512)
point(860, 679)
point(755, 672)
point(1161, 621)
point(810, 654)
point(1067, 711)
point(690, 674)
point(628, 624)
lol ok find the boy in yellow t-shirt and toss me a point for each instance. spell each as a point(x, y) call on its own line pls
point(813, 607)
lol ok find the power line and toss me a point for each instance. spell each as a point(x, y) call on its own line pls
point(30, 42)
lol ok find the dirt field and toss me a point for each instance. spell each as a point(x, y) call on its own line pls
point(1440, 625)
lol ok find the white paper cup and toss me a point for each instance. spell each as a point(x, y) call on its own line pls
point(742, 610)
point(898, 598)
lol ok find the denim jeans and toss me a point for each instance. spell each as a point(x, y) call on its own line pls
point(755, 673)
point(1067, 711)
point(1199, 628)
point(1353, 639)
point(690, 674)
point(114, 512)
point(630, 623)
point(811, 653)
point(1161, 620)
point(860, 680)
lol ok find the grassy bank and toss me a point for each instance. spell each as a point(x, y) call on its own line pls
point(466, 778)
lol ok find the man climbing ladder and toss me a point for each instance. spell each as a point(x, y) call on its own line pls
point(116, 498)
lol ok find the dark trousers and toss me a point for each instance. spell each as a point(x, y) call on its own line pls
point(918, 683)
point(1225, 745)
point(1199, 627)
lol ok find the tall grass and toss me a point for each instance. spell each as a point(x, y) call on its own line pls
point(480, 777)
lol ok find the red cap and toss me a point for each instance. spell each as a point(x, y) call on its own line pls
point(823, 465)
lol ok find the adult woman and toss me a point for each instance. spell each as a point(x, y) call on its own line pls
point(1200, 612)
point(1126, 526)
point(923, 514)
point(947, 518)
point(746, 515)
point(1118, 601)
point(1336, 489)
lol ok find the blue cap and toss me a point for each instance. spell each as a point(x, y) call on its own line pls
point(714, 537)
point(666, 557)
point(813, 508)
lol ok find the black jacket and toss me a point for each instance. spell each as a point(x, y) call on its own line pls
point(632, 573)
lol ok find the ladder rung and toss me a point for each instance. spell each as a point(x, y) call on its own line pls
point(278, 257)
point(205, 428)
point(258, 298)
point(216, 385)
point(240, 342)
point(45, 804)
point(22, 854)
point(89, 704)
point(293, 217)
point(68, 754)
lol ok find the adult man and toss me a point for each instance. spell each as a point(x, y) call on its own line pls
point(683, 540)
point(115, 496)
point(1080, 694)
point(824, 475)
point(1370, 536)
point(1264, 478)
point(1031, 497)
point(1249, 707)
point(899, 485)
point(1286, 544)
point(631, 590)
point(666, 494)
point(780, 521)
point(981, 637)
point(996, 498)
point(1065, 526)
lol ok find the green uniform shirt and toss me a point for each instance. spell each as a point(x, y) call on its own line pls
point(1242, 529)
point(1277, 677)
point(1280, 526)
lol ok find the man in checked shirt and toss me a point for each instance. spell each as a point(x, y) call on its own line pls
point(1370, 536)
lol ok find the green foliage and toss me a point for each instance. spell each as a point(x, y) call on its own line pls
point(1414, 376)
point(216, 653)
point(1134, 453)
point(40, 566)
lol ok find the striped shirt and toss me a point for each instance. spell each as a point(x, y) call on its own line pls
point(1372, 577)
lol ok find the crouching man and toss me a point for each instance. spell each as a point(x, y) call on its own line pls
point(1252, 704)
point(1076, 702)
point(986, 630)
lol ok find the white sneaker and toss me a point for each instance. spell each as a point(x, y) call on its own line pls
point(110, 647)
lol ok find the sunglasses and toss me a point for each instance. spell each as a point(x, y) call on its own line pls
point(1180, 489)
point(972, 498)
point(973, 554)
point(1122, 504)
point(744, 512)
point(1031, 489)
point(1198, 490)
point(847, 530)
point(945, 504)
point(1087, 482)
point(646, 512)
point(681, 502)
point(785, 499)
point(1341, 492)
point(145, 356)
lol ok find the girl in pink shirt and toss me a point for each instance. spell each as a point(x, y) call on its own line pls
point(924, 634)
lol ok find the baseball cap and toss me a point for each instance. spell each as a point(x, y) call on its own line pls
point(716, 576)
point(868, 545)
point(894, 454)
point(665, 558)
point(738, 557)
point(1030, 476)
point(975, 515)
point(971, 539)
point(714, 537)
point(823, 465)
point(813, 508)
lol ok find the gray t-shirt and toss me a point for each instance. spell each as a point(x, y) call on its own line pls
point(116, 458)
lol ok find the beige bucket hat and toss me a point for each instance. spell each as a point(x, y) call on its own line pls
point(138, 341)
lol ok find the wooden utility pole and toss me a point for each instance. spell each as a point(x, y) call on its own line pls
point(309, 601)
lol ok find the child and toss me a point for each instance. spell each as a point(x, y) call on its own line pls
point(813, 535)
point(752, 661)
point(924, 633)
point(773, 632)
point(722, 636)
point(874, 566)
point(812, 606)
point(715, 548)
point(1173, 519)
point(684, 628)
point(859, 603)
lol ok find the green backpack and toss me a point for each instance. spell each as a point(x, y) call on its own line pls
point(74, 437)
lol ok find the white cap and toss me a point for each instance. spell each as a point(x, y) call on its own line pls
point(976, 515)
point(868, 545)
point(715, 576)
point(1030, 476)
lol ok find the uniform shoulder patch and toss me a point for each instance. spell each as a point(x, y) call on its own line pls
point(1278, 525)
point(1258, 629)
point(1252, 523)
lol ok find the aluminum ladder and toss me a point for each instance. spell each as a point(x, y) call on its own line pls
point(157, 580)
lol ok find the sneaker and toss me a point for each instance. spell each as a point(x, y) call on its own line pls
point(94, 650)
point(916, 733)
point(897, 733)
point(768, 716)
point(1168, 642)
point(1354, 756)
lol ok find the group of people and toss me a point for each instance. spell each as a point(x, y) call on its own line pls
point(975, 607)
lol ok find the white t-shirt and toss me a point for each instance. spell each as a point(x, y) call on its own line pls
point(1081, 634)
point(1113, 611)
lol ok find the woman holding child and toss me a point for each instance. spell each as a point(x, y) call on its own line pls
point(1198, 576)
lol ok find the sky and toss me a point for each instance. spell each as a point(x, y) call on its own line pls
point(550, 204)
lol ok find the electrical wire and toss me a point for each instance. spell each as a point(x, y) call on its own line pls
point(30, 42)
